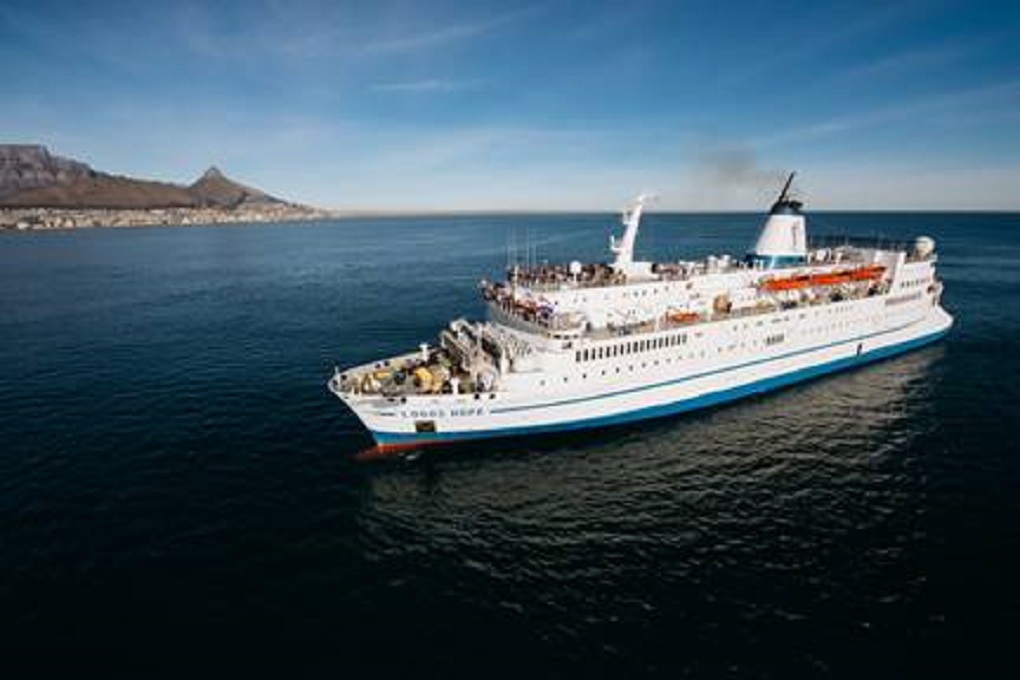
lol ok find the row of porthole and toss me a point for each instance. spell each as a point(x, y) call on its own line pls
point(477, 396)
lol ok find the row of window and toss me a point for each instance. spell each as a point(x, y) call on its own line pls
point(639, 346)
point(632, 347)
point(644, 345)
point(914, 283)
point(900, 299)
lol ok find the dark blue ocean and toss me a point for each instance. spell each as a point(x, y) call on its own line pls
point(179, 492)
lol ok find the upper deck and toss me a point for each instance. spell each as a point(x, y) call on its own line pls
point(557, 301)
point(823, 251)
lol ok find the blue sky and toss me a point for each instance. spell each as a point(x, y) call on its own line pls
point(558, 104)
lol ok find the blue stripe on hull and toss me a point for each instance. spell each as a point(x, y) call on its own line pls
point(703, 401)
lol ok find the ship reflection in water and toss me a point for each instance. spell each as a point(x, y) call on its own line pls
point(799, 464)
point(781, 510)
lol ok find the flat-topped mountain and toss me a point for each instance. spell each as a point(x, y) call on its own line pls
point(31, 177)
point(31, 166)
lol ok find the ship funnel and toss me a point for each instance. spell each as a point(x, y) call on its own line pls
point(783, 239)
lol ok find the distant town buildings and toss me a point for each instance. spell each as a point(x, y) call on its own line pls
point(25, 219)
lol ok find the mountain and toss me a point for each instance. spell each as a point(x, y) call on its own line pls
point(30, 166)
point(30, 177)
point(215, 189)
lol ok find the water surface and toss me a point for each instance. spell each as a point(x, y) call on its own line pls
point(178, 490)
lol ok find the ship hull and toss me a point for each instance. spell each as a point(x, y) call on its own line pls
point(657, 400)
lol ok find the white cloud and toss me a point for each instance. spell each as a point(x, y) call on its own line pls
point(430, 85)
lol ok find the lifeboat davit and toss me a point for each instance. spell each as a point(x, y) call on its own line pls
point(834, 278)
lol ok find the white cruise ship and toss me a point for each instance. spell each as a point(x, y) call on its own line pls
point(589, 345)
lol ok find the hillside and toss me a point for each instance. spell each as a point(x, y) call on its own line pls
point(31, 177)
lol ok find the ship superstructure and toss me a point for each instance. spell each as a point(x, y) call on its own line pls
point(583, 345)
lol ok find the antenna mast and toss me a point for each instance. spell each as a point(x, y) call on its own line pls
point(786, 187)
point(631, 219)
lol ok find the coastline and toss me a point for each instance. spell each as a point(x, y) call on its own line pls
point(18, 219)
point(40, 219)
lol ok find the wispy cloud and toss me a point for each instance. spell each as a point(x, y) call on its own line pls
point(968, 99)
point(437, 36)
point(911, 61)
point(430, 85)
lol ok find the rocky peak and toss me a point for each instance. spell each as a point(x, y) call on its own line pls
point(214, 188)
point(212, 173)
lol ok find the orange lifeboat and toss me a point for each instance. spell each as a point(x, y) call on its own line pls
point(682, 317)
point(787, 283)
point(868, 273)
